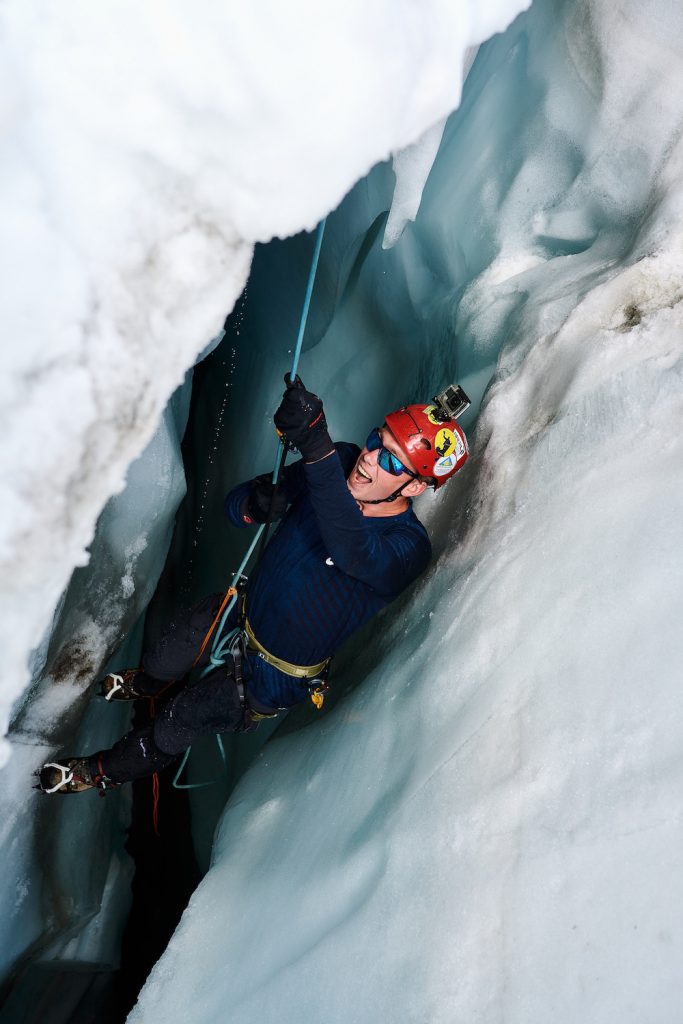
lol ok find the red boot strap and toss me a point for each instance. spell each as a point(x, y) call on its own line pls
point(155, 804)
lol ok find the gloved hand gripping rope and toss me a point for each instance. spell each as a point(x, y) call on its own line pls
point(311, 434)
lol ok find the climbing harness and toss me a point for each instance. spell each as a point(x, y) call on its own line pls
point(289, 669)
point(315, 676)
point(234, 643)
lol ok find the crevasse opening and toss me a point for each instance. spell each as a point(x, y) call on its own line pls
point(478, 826)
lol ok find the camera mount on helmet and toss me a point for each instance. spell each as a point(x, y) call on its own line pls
point(450, 403)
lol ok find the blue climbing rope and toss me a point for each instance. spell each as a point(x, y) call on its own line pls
point(221, 644)
point(302, 327)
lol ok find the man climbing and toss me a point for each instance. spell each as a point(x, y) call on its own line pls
point(348, 543)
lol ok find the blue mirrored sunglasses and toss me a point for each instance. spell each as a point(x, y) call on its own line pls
point(386, 459)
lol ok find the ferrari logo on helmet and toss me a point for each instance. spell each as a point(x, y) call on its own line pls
point(444, 442)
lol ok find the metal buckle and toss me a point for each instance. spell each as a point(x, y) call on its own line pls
point(317, 688)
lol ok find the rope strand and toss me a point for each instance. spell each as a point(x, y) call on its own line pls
point(219, 644)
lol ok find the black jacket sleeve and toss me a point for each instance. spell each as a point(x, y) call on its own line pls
point(387, 560)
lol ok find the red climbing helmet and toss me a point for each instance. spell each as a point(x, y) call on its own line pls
point(436, 444)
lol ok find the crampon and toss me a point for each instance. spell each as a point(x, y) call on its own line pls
point(70, 775)
point(121, 686)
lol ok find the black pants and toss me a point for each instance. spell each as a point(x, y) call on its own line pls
point(209, 705)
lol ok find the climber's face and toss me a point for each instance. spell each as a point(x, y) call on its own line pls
point(381, 468)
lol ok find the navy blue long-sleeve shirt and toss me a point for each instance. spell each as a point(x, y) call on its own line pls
point(326, 571)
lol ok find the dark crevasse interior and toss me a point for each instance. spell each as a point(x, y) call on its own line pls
point(228, 437)
point(384, 328)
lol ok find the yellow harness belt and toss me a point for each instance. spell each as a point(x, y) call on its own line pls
point(299, 671)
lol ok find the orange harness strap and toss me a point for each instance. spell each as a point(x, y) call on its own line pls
point(231, 592)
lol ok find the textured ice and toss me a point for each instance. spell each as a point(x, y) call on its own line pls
point(143, 152)
point(38, 840)
point(486, 825)
point(411, 167)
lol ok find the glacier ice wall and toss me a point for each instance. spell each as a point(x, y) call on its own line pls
point(143, 154)
point(144, 151)
point(499, 791)
point(486, 827)
point(46, 893)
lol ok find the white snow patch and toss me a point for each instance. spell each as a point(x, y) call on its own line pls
point(411, 166)
point(144, 150)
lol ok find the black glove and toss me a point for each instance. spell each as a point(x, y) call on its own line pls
point(300, 420)
point(256, 505)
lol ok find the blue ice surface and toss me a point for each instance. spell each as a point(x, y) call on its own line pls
point(512, 176)
point(383, 329)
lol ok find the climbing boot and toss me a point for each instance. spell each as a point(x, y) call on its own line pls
point(70, 775)
point(121, 685)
